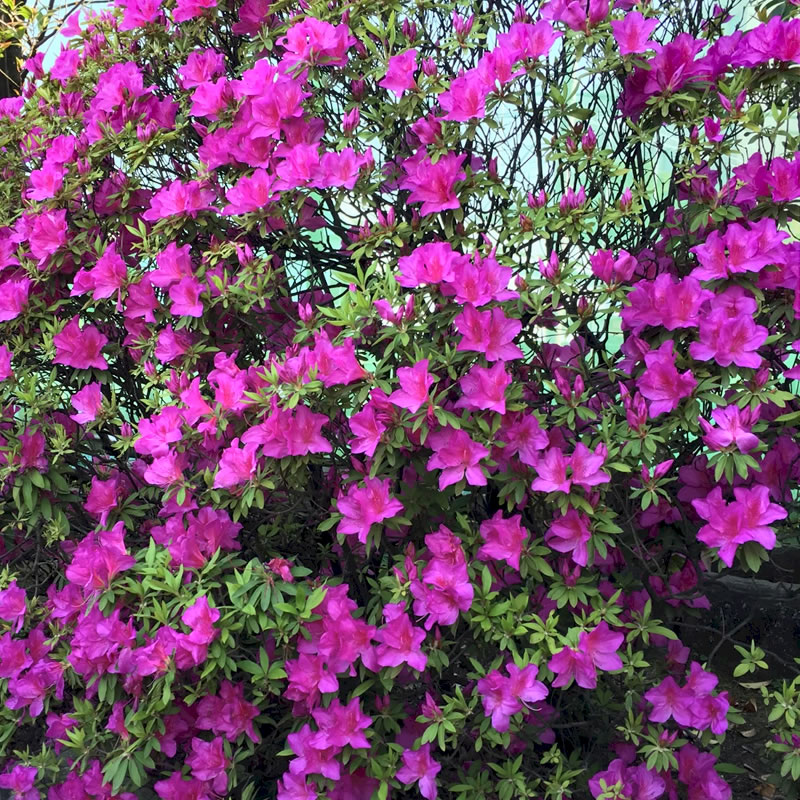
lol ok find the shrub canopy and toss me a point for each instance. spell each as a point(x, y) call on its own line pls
point(388, 390)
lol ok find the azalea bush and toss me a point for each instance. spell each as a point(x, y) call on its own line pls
point(388, 389)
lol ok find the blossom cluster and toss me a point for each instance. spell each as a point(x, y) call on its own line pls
point(375, 421)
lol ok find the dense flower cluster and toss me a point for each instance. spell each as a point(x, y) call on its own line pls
point(374, 416)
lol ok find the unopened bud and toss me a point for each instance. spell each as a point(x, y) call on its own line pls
point(358, 88)
point(588, 142)
point(429, 67)
point(350, 121)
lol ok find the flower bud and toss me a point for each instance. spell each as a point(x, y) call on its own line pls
point(551, 268)
point(462, 26)
point(409, 30)
point(520, 14)
point(588, 142)
point(562, 385)
point(145, 132)
point(429, 67)
point(358, 88)
point(350, 121)
point(305, 312)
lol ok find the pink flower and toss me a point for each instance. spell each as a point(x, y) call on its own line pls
point(210, 98)
point(179, 199)
point(466, 97)
point(176, 788)
point(5, 363)
point(400, 73)
point(568, 664)
point(585, 469)
point(729, 339)
point(731, 524)
point(311, 759)
point(313, 41)
point(488, 332)
point(419, 766)
point(524, 438)
point(49, 231)
point(139, 13)
point(13, 298)
point(185, 296)
point(433, 185)
point(367, 429)
point(665, 302)
point(601, 645)
point(309, 678)
point(304, 433)
point(670, 700)
point(458, 456)
point(20, 780)
point(341, 168)
point(201, 66)
point(173, 264)
point(200, 617)
point(208, 763)
point(484, 388)
point(430, 263)
point(503, 697)
point(503, 539)
point(98, 559)
point(80, 348)
point(87, 402)
point(661, 383)
point(296, 787)
point(340, 726)
point(696, 769)
point(109, 273)
point(14, 655)
point(46, 182)
point(189, 9)
point(399, 641)
point(299, 166)
point(633, 33)
point(228, 713)
point(597, 650)
point(639, 781)
point(739, 249)
point(363, 507)
point(526, 40)
point(733, 428)
point(165, 471)
point(414, 385)
point(570, 533)
point(103, 498)
point(172, 344)
point(12, 605)
point(30, 689)
point(285, 433)
point(610, 270)
point(237, 465)
point(587, 466)
point(478, 281)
